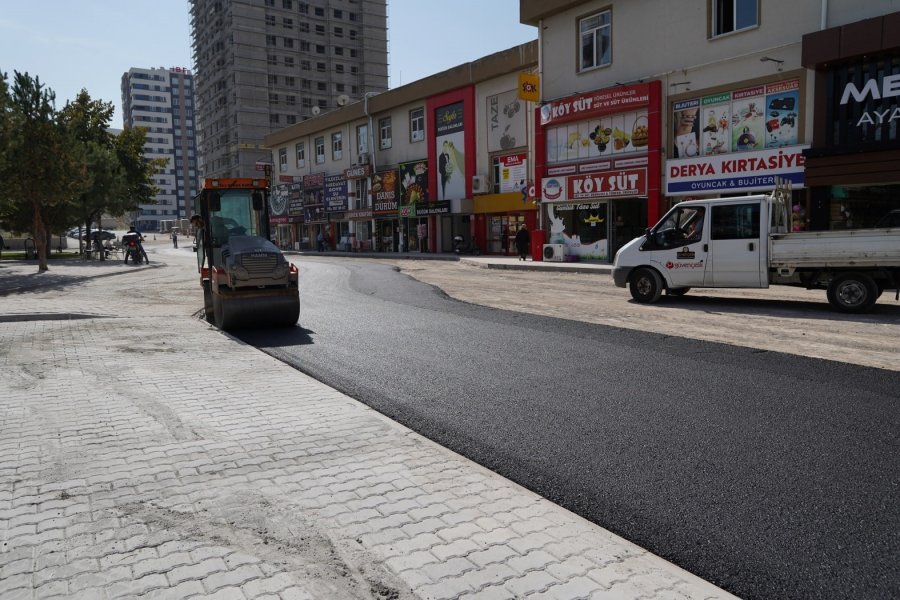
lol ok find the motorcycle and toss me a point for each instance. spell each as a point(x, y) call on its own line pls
point(459, 247)
point(133, 250)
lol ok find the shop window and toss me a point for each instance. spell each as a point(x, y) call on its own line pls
point(362, 139)
point(337, 146)
point(417, 125)
point(384, 128)
point(733, 15)
point(300, 150)
point(320, 150)
point(596, 40)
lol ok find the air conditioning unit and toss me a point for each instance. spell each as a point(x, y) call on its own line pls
point(363, 158)
point(554, 252)
point(479, 184)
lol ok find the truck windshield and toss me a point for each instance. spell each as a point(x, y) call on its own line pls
point(236, 217)
point(683, 224)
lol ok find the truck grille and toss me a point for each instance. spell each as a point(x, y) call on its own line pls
point(260, 265)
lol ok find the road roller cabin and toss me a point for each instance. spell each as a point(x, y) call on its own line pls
point(246, 280)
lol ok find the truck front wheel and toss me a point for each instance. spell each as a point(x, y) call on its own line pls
point(852, 292)
point(645, 285)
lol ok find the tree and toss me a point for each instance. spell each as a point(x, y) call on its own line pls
point(42, 169)
point(119, 177)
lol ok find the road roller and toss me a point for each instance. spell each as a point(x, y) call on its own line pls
point(247, 282)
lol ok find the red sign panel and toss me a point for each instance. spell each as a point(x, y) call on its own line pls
point(606, 101)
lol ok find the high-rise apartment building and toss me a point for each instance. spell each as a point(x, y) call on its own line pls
point(162, 101)
point(263, 65)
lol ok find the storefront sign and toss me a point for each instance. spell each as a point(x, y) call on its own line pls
point(335, 193)
point(278, 220)
point(747, 172)
point(529, 87)
point(295, 203)
point(413, 183)
point(553, 189)
point(384, 193)
point(433, 208)
point(358, 172)
point(278, 200)
point(359, 215)
point(316, 180)
point(594, 166)
point(609, 184)
point(450, 148)
point(562, 170)
point(617, 99)
point(743, 120)
point(513, 172)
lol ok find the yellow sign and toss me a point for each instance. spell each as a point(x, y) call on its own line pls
point(529, 87)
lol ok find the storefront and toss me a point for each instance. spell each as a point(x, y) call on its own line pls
point(737, 140)
point(295, 216)
point(336, 204)
point(599, 169)
point(279, 222)
point(416, 210)
point(385, 225)
point(359, 208)
point(852, 167)
point(315, 218)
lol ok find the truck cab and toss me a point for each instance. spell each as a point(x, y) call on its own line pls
point(699, 243)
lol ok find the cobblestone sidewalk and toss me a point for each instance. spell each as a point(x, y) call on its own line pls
point(145, 454)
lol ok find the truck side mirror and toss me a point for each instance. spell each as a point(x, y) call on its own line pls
point(215, 201)
point(258, 200)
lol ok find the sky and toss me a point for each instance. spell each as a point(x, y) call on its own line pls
point(72, 45)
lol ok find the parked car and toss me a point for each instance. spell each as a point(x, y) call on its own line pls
point(101, 235)
point(891, 219)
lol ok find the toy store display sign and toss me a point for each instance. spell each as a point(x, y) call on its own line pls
point(746, 172)
point(611, 100)
point(607, 184)
point(742, 120)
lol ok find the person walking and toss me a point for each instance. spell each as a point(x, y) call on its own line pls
point(175, 239)
point(523, 241)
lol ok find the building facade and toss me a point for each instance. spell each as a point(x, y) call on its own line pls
point(162, 101)
point(263, 65)
point(410, 169)
point(645, 103)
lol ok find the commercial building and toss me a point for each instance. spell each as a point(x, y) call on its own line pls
point(412, 168)
point(645, 103)
point(263, 65)
point(161, 100)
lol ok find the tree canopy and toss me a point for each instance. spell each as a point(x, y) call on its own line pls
point(60, 168)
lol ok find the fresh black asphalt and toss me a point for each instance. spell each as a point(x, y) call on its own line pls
point(770, 475)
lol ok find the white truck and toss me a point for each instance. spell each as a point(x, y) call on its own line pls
point(746, 242)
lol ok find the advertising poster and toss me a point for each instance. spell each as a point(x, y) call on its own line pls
point(278, 200)
point(686, 132)
point(748, 125)
point(295, 203)
point(782, 110)
point(384, 193)
point(601, 136)
point(413, 185)
point(506, 121)
point(335, 193)
point(513, 172)
point(450, 142)
point(716, 121)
